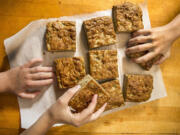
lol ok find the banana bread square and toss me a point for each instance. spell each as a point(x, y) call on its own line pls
point(61, 36)
point(137, 88)
point(99, 32)
point(115, 93)
point(127, 17)
point(69, 71)
point(103, 64)
point(89, 87)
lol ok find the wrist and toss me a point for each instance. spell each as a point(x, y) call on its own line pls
point(50, 117)
point(9, 82)
point(170, 34)
point(41, 126)
point(173, 29)
point(4, 79)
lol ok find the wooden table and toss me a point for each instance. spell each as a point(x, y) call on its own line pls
point(158, 117)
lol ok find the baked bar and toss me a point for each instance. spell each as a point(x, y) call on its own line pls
point(127, 17)
point(69, 71)
point(137, 88)
point(103, 64)
point(99, 32)
point(146, 65)
point(89, 87)
point(61, 36)
point(115, 92)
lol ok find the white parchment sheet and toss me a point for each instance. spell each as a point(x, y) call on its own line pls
point(30, 43)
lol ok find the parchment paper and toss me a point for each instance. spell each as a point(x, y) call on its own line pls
point(30, 43)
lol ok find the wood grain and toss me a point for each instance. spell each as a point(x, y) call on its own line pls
point(158, 117)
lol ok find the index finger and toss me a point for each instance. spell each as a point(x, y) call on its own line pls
point(144, 32)
point(33, 63)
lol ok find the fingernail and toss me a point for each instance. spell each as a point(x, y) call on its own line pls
point(77, 87)
point(105, 105)
point(95, 96)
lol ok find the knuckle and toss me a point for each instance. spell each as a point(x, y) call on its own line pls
point(40, 75)
point(153, 44)
point(137, 39)
point(138, 48)
point(143, 60)
point(22, 67)
point(61, 102)
point(27, 77)
point(152, 37)
point(28, 83)
point(77, 122)
point(157, 50)
point(23, 70)
point(37, 69)
point(70, 92)
point(150, 31)
point(157, 43)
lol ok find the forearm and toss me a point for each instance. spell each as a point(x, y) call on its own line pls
point(41, 126)
point(174, 28)
point(4, 81)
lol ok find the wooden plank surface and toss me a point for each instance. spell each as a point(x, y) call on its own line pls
point(158, 117)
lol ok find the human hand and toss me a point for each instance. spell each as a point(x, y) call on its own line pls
point(155, 41)
point(61, 112)
point(30, 76)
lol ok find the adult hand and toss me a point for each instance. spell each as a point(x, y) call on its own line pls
point(61, 112)
point(156, 41)
point(30, 76)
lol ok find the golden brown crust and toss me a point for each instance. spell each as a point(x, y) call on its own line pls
point(61, 36)
point(103, 64)
point(99, 32)
point(115, 93)
point(137, 88)
point(127, 17)
point(89, 87)
point(69, 71)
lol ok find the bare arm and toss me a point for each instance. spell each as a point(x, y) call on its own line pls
point(41, 126)
point(156, 40)
point(60, 112)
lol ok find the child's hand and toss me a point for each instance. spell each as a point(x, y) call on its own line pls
point(30, 76)
point(61, 112)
